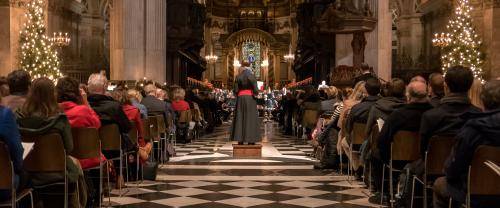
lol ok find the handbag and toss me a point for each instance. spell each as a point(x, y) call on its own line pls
point(150, 169)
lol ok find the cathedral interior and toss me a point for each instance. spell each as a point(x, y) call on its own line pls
point(325, 39)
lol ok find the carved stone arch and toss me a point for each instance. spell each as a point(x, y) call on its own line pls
point(251, 34)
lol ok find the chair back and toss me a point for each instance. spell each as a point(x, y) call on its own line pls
point(6, 167)
point(374, 136)
point(405, 146)
point(147, 130)
point(483, 180)
point(439, 149)
point(153, 122)
point(358, 134)
point(196, 114)
point(86, 143)
point(184, 116)
point(48, 154)
point(133, 133)
point(110, 137)
point(161, 124)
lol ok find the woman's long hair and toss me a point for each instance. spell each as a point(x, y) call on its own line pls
point(42, 100)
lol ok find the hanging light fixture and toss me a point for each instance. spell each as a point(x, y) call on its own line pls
point(290, 57)
point(60, 39)
point(211, 58)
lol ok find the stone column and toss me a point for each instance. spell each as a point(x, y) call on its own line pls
point(410, 32)
point(156, 34)
point(11, 22)
point(378, 53)
point(343, 49)
point(138, 35)
point(491, 39)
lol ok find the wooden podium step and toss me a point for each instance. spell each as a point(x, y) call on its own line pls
point(247, 151)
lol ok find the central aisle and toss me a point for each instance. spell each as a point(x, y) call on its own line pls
point(204, 174)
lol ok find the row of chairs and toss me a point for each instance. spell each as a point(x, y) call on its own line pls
point(406, 147)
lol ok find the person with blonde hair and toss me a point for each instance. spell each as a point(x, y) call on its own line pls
point(178, 102)
point(135, 98)
point(475, 94)
point(358, 94)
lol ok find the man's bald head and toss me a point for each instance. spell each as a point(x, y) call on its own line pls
point(417, 92)
point(418, 78)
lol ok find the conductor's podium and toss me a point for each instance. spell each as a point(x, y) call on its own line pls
point(247, 151)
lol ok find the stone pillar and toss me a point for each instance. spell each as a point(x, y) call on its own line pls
point(378, 53)
point(277, 67)
point(156, 37)
point(410, 32)
point(138, 39)
point(491, 39)
point(11, 22)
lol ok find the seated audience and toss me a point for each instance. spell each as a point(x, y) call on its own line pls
point(365, 75)
point(19, 84)
point(108, 109)
point(405, 118)
point(9, 135)
point(358, 94)
point(135, 98)
point(79, 115)
point(419, 79)
point(178, 103)
point(394, 98)
point(445, 118)
point(152, 103)
point(39, 115)
point(134, 116)
point(359, 114)
point(436, 88)
point(328, 105)
point(480, 129)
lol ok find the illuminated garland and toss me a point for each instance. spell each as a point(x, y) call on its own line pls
point(37, 54)
point(464, 46)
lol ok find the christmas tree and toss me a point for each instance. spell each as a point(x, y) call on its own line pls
point(462, 46)
point(37, 54)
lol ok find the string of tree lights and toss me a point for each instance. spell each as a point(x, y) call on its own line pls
point(464, 45)
point(37, 54)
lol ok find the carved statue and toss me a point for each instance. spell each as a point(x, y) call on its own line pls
point(358, 48)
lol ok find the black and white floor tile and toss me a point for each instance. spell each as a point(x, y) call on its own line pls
point(204, 174)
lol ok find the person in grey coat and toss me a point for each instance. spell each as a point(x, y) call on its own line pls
point(246, 121)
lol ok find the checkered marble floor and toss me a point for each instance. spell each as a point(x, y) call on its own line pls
point(204, 174)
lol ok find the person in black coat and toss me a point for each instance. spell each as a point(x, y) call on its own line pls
point(366, 74)
point(445, 118)
point(436, 88)
point(406, 118)
point(246, 126)
point(480, 129)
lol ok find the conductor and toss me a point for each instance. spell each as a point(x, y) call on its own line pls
point(246, 121)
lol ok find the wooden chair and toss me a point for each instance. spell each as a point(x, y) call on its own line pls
point(147, 130)
point(87, 145)
point(373, 145)
point(357, 137)
point(162, 132)
point(481, 180)
point(155, 134)
point(404, 147)
point(7, 179)
point(184, 117)
point(111, 141)
point(439, 149)
point(48, 155)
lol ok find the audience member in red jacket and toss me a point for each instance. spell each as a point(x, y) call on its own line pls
point(178, 103)
point(134, 115)
point(79, 116)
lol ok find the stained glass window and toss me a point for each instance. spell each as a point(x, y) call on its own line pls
point(251, 53)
